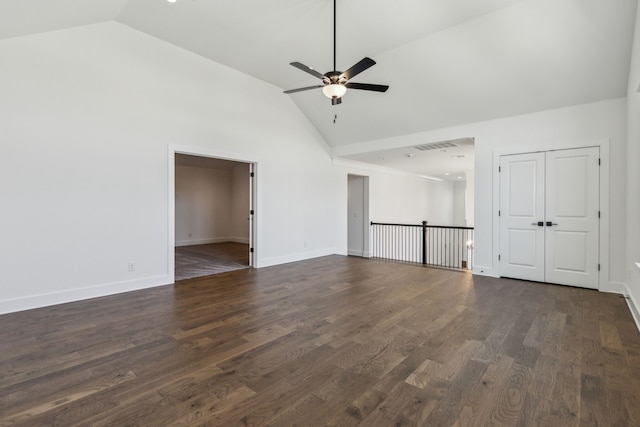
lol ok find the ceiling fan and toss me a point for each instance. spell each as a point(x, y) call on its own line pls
point(335, 83)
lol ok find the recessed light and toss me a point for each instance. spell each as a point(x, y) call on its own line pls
point(459, 177)
point(459, 156)
point(409, 155)
point(447, 174)
point(171, 1)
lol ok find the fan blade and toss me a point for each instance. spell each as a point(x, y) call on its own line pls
point(367, 86)
point(302, 88)
point(358, 68)
point(307, 70)
point(336, 101)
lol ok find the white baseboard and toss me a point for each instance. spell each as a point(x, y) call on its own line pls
point(210, 240)
point(353, 252)
point(483, 271)
point(78, 294)
point(633, 306)
point(244, 240)
point(301, 256)
point(614, 288)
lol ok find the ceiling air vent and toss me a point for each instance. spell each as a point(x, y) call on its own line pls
point(435, 146)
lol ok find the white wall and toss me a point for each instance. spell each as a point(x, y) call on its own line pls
point(470, 203)
point(86, 117)
point(203, 213)
point(395, 198)
point(459, 203)
point(633, 175)
point(581, 124)
point(410, 200)
point(439, 203)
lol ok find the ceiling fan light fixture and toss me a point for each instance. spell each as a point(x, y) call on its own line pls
point(334, 90)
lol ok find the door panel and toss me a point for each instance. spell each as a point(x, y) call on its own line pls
point(570, 249)
point(521, 208)
point(572, 206)
point(523, 248)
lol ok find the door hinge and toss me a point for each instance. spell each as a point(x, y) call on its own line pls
point(598, 267)
point(499, 169)
point(498, 212)
point(252, 174)
point(251, 212)
point(599, 162)
point(251, 250)
point(498, 257)
point(598, 214)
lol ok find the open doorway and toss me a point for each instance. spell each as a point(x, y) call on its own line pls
point(358, 216)
point(213, 224)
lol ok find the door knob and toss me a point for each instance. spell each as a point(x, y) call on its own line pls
point(539, 223)
point(549, 223)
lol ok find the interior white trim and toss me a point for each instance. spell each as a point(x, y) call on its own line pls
point(78, 294)
point(634, 306)
point(480, 270)
point(614, 288)
point(603, 278)
point(301, 256)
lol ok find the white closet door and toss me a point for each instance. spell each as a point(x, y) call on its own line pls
point(522, 192)
point(572, 224)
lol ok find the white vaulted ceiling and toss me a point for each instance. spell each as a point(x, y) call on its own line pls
point(447, 62)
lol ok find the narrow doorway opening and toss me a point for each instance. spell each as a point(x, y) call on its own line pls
point(358, 229)
point(213, 223)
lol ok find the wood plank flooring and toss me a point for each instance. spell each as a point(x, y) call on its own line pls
point(212, 258)
point(332, 341)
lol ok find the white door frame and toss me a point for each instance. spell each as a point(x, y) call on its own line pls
point(603, 279)
point(171, 196)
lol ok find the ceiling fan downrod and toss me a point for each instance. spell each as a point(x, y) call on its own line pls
point(334, 36)
point(335, 83)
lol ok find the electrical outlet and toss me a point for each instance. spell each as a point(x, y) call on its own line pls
point(190, 234)
point(132, 266)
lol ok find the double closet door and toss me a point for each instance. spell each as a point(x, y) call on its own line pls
point(549, 216)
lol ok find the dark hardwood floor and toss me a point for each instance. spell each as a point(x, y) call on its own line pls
point(331, 341)
point(212, 258)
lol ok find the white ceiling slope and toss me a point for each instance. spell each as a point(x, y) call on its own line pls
point(22, 17)
point(448, 62)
